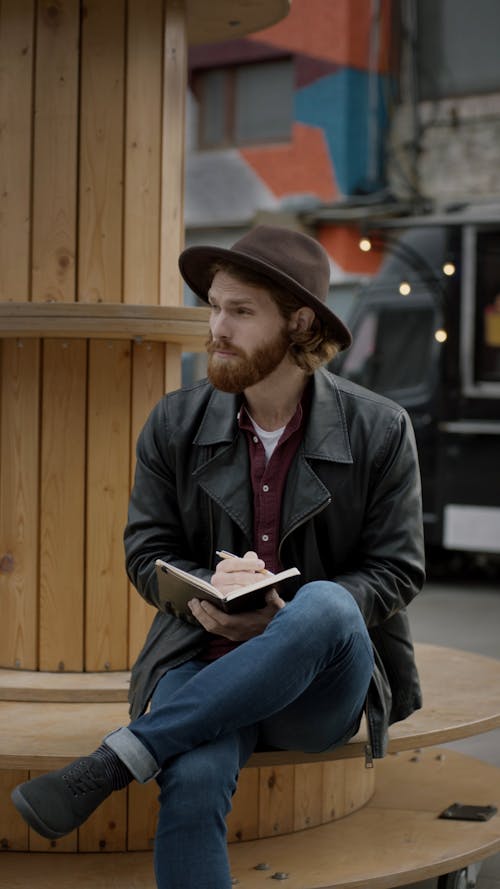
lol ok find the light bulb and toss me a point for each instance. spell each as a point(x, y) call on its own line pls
point(404, 288)
point(440, 335)
point(449, 269)
point(365, 245)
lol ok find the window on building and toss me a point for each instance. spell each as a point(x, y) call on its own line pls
point(487, 307)
point(245, 104)
point(457, 47)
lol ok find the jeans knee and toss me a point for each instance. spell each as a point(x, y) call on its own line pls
point(328, 602)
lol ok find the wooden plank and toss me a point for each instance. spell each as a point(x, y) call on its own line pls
point(55, 151)
point(143, 152)
point(173, 367)
point(62, 505)
point(13, 830)
point(84, 688)
point(243, 820)
point(174, 115)
point(19, 481)
point(101, 152)
point(182, 325)
point(108, 472)
point(308, 796)
point(16, 76)
point(142, 815)
point(333, 794)
point(106, 829)
point(276, 794)
point(38, 843)
point(147, 389)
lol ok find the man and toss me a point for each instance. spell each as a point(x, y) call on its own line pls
point(282, 464)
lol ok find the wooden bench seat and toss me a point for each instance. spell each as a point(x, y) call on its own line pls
point(395, 839)
point(461, 698)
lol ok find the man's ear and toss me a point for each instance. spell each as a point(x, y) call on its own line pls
point(302, 319)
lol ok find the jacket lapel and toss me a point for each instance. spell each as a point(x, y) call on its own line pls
point(224, 471)
point(326, 439)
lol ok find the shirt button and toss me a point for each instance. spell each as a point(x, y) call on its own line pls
point(265, 488)
point(265, 537)
point(255, 439)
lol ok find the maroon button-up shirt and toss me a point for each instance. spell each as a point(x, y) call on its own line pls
point(268, 485)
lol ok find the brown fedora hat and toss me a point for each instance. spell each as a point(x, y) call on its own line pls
point(288, 258)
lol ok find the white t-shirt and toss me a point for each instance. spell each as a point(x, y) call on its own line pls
point(269, 439)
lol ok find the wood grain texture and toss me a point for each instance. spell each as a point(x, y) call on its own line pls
point(141, 255)
point(19, 486)
point(84, 688)
point(49, 736)
point(178, 325)
point(55, 151)
point(106, 829)
point(16, 96)
point(108, 476)
point(13, 830)
point(174, 118)
point(62, 505)
point(390, 842)
point(101, 152)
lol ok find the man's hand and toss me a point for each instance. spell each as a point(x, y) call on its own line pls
point(236, 627)
point(231, 574)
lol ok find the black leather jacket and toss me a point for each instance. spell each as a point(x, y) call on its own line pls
point(351, 513)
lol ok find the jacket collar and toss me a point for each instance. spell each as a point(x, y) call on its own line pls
point(326, 436)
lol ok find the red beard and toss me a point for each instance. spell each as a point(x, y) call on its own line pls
point(241, 371)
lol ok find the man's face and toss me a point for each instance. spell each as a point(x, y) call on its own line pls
point(248, 335)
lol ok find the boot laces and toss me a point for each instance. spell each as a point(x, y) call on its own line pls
point(81, 779)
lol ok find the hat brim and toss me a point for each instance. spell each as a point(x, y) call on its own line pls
point(195, 264)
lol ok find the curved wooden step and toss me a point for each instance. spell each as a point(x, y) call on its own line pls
point(461, 698)
point(31, 685)
point(397, 838)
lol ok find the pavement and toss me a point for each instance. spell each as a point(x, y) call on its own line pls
point(463, 611)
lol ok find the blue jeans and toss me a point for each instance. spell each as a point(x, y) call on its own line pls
point(301, 685)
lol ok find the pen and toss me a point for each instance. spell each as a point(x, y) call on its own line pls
point(223, 554)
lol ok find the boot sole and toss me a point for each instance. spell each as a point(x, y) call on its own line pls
point(30, 816)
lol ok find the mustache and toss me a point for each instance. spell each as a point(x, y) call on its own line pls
point(212, 346)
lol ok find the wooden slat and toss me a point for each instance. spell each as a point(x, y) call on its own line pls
point(173, 367)
point(108, 472)
point(243, 820)
point(16, 60)
point(62, 517)
point(13, 830)
point(143, 152)
point(19, 480)
point(174, 114)
point(276, 793)
point(142, 815)
point(147, 389)
point(55, 151)
point(180, 325)
point(101, 151)
point(308, 793)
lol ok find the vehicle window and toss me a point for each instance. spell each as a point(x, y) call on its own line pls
point(392, 349)
point(487, 326)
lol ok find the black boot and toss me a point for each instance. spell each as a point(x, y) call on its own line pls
point(59, 802)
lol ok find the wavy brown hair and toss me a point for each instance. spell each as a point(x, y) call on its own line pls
point(309, 349)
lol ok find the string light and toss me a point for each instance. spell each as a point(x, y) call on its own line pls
point(365, 245)
point(404, 288)
point(449, 269)
point(440, 335)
